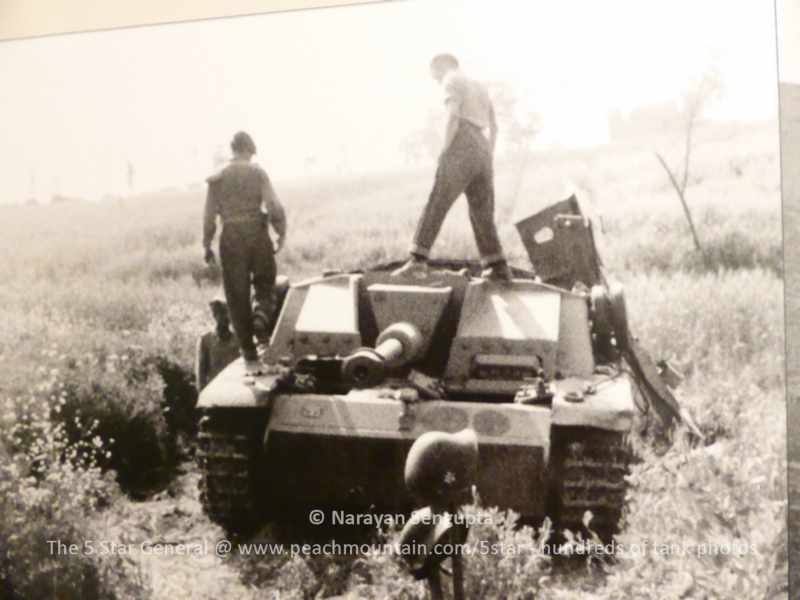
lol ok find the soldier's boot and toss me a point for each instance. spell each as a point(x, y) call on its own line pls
point(254, 368)
point(416, 266)
point(261, 322)
point(498, 271)
point(252, 362)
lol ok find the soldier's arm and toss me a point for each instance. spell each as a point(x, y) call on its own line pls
point(277, 216)
point(492, 128)
point(450, 131)
point(209, 217)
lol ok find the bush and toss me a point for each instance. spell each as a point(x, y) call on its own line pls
point(501, 559)
point(122, 395)
point(179, 396)
point(708, 522)
point(508, 561)
point(647, 243)
point(47, 495)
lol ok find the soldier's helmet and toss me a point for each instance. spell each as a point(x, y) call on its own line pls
point(218, 302)
point(441, 467)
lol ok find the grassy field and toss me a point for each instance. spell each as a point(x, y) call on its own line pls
point(103, 304)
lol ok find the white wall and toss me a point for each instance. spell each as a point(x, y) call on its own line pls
point(789, 40)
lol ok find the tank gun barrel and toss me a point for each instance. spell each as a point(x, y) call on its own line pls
point(396, 346)
point(390, 350)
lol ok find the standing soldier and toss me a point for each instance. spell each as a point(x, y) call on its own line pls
point(242, 195)
point(215, 349)
point(465, 166)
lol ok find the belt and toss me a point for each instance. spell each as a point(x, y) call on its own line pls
point(471, 124)
point(244, 219)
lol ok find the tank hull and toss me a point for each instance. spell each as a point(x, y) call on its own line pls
point(347, 451)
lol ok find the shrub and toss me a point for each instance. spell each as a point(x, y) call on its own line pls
point(644, 242)
point(507, 561)
point(710, 521)
point(179, 396)
point(47, 495)
point(122, 396)
point(501, 559)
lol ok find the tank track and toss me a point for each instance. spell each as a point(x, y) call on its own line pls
point(590, 475)
point(227, 447)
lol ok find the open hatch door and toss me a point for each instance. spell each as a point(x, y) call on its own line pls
point(560, 244)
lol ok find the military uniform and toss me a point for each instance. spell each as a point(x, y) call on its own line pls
point(214, 353)
point(464, 167)
point(240, 194)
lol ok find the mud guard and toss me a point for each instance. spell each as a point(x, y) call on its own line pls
point(233, 388)
point(656, 391)
point(645, 369)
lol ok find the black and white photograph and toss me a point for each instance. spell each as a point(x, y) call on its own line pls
point(402, 299)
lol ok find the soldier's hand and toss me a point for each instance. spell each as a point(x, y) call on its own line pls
point(278, 244)
point(210, 259)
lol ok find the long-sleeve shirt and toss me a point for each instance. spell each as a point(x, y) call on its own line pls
point(241, 191)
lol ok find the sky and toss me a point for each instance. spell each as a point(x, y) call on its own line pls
point(341, 89)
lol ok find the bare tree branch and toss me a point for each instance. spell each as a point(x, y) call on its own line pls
point(685, 206)
point(687, 151)
point(697, 97)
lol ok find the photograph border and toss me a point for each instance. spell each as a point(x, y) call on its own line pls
point(35, 18)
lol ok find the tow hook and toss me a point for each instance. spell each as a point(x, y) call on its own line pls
point(408, 398)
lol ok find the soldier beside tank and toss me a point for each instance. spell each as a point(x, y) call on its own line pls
point(215, 349)
point(241, 194)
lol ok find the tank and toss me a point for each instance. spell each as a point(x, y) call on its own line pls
point(543, 369)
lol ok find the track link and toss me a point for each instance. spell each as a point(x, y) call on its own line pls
point(227, 448)
point(590, 475)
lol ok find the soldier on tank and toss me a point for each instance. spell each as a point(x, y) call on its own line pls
point(243, 197)
point(215, 349)
point(465, 166)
